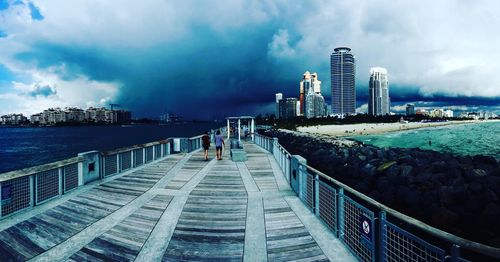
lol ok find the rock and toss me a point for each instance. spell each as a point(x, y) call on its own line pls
point(408, 195)
point(393, 171)
point(478, 172)
point(362, 157)
point(380, 153)
point(439, 167)
point(492, 209)
point(406, 170)
point(368, 170)
point(475, 187)
point(385, 166)
point(485, 159)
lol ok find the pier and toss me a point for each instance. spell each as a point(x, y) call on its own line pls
point(162, 202)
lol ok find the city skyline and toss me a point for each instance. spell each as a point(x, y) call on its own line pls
point(201, 49)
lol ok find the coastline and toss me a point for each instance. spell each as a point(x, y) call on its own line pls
point(378, 128)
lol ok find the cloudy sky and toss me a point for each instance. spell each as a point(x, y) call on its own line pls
point(208, 59)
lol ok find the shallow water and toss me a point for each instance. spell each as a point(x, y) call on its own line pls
point(463, 139)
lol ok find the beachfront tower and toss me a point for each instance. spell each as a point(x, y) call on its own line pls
point(314, 103)
point(279, 96)
point(378, 99)
point(343, 71)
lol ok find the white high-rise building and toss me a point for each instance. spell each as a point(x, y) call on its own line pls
point(314, 102)
point(379, 101)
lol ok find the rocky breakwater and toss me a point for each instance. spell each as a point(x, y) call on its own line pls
point(458, 194)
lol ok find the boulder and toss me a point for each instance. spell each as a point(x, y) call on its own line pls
point(385, 166)
point(406, 170)
point(478, 173)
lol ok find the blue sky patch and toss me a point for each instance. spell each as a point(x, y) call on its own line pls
point(35, 12)
point(3, 34)
point(4, 4)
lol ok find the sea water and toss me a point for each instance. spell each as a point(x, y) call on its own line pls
point(482, 138)
point(26, 147)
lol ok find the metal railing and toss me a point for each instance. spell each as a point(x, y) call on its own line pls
point(30, 187)
point(370, 230)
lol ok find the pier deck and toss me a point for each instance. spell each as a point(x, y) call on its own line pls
point(180, 208)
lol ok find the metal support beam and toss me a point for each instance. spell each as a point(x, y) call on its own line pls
point(228, 130)
point(252, 129)
point(239, 130)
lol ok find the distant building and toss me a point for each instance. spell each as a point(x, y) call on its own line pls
point(421, 112)
point(13, 119)
point(279, 96)
point(343, 71)
point(314, 102)
point(437, 113)
point(448, 113)
point(410, 109)
point(378, 101)
point(123, 116)
point(309, 82)
point(288, 108)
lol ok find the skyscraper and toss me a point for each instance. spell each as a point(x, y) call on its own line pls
point(309, 82)
point(410, 109)
point(343, 71)
point(378, 101)
point(288, 108)
point(314, 102)
point(279, 96)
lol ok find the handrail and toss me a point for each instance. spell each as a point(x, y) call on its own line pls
point(133, 147)
point(40, 168)
point(196, 137)
point(464, 243)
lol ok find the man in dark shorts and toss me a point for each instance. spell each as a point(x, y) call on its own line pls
point(219, 143)
point(206, 144)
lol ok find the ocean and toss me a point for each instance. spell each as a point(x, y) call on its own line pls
point(462, 139)
point(26, 147)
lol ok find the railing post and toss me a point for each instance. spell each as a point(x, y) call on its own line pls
point(118, 166)
point(297, 164)
point(61, 180)
point(84, 174)
point(455, 252)
point(275, 143)
point(340, 213)
point(132, 158)
point(1, 204)
point(143, 155)
point(32, 190)
point(382, 230)
point(316, 194)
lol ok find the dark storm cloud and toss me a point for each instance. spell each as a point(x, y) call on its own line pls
point(209, 75)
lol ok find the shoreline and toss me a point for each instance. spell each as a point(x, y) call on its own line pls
point(378, 128)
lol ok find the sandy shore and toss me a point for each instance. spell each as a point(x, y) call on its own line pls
point(369, 129)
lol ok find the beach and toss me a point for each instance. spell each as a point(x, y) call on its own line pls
point(378, 128)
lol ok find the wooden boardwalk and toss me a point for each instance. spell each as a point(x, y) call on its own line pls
point(177, 209)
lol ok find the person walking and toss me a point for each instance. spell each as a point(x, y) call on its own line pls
point(206, 144)
point(219, 144)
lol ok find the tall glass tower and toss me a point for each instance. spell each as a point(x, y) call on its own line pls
point(343, 71)
point(378, 101)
